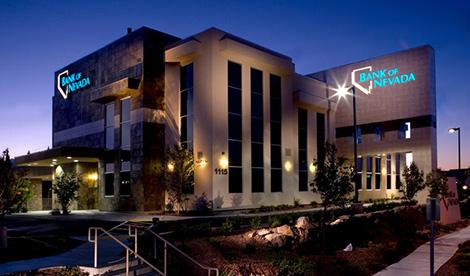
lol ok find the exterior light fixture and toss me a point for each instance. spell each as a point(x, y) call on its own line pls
point(171, 166)
point(201, 162)
point(288, 166)
point(453, 130)
point(69, 157)
point(223, 161)
point(54, 160)
point(51, 165)
point(76, 161)
point(312, 168)
point(93, 176)
point(464, 187)
point(384, 171)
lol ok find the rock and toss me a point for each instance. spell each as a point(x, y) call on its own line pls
point(276, 240)
point(348, 248)
point(263, 232)
point(340, 220)
point(284, 230)
point(303, 223)
point(251, 234)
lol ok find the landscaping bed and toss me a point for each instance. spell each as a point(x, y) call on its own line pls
point(459, 264)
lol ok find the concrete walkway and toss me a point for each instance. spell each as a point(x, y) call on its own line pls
point(417, 263)
point(82, 255)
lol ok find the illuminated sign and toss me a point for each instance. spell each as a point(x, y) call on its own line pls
point(68, 83)
point(366, 79)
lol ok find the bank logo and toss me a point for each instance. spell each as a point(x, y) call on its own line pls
point(69, 83)
point(365, 79)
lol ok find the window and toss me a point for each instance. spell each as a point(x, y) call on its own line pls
point(257, 155)
point(389, 171)
point(408, 158)
point(186, 106)
point(109, 179)
point(234, 89)
point(126, 123)
point(125, 178)
point(320, 135)
point(369, 173)
point(109, 126)
point(404, 131)
point(378, 134)
point(378, 169)
point(397, 172)
point(276, 132)
point(359, 135)
point(359, 173)
point(302, 140)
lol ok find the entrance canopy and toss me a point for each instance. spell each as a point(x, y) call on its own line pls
point(59, 156)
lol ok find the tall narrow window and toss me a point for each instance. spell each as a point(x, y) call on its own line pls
point(235, 184)
point(126, 123)
point(389, 171)
point(186, 106)
point(359, 173)
point(302, 139)
point(397, 172)
point(378, 134)
point(276, 132)
point(320, 135)
point(408, 158)
point(378, 169)
point(359, 135)
point(369, 173)
point(404, 132)
point(109, 179)
point(257, 160)
point(109, 126)
point(125, 179)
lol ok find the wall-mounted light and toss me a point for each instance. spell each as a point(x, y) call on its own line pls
point(223, 161)
point(288, 166)
point(93, 176)
point(312, 168)
point(465, 187)
point(170, 166)
point(201, 161)
point(384, 171)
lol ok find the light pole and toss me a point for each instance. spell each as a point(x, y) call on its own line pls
point(341, 92)
point(453, 130)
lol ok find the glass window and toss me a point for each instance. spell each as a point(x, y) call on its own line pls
point(408, 158)
point(276, 132)
point(234, 75)
point(369, 172)
point(378, 134)
point(234, 127)
point(389, 171)
point(303, 181)
point(257, 180)
point(125, 109)
point(407, 130)
point(359, 135)
point(378, 170)
point(186, 106)
point(257, 155)
point(125, 187)
point(397, 172)
point(321, 135)
point(234, 100)
point(126, 123)
point(235, 153)
point(359, 173)
point(257, 130)
point(109, 179)
point(276, 180)
point(302, 140)
point(276, 156)
point(186, 77)
point(276, 109)
point(256, 81)
point(109, 126)
point(256, 105)
point(235, 180)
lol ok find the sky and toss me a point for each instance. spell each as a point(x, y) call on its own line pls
point(39, 37)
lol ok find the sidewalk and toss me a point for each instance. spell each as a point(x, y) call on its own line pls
point(417, 263)
point(82, 255)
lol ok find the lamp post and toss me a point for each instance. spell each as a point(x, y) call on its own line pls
point(341, 92)
point(453, 130)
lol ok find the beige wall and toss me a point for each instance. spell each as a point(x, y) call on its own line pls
point(210, 56)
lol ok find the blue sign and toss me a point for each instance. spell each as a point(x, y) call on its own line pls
point(68, 83)
point(369, 79)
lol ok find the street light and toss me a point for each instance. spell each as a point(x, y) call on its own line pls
point(341, 92)
point(453, 130)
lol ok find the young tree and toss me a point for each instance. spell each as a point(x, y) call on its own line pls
point(178, 172)
point(15, 191)
point(413, 183)
point(332, 181)
point(65, 187)
point(436, 181)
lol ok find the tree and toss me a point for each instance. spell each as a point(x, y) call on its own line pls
point(332, 181)
point(414, 182)
point(436, 181)
point(178, 172)
point(65, 187)
point(15, 191)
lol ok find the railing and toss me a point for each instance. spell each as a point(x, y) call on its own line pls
point(127, 248)
point(167, 245)
point(133, 233)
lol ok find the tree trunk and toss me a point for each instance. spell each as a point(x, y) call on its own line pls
point(3, 237)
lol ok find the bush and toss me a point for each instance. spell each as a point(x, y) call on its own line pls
point(227, 227)
point(201, 204)
point(274, 221)
point(291, 266)
point(169, 207)
point(255, 223)
point(296, 202)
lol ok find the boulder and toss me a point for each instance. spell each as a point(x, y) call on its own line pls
point(303, 223)
point(276, 240)
point(263, 232)
point(251, 234)
point(284, 230)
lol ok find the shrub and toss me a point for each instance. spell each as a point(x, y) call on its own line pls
point(227, 227)
point(274, 221)
point(201, 204)
point(296, 202)
point(66, 186)
point(314, 204)
point(292, 266)
point(255, 223)
point(169, 207)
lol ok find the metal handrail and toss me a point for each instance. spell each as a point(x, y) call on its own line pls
point(128, 249)
point(209, 269)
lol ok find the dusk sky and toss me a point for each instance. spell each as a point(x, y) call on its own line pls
point(39, 37)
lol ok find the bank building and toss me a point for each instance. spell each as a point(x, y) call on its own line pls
point(255, 126)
